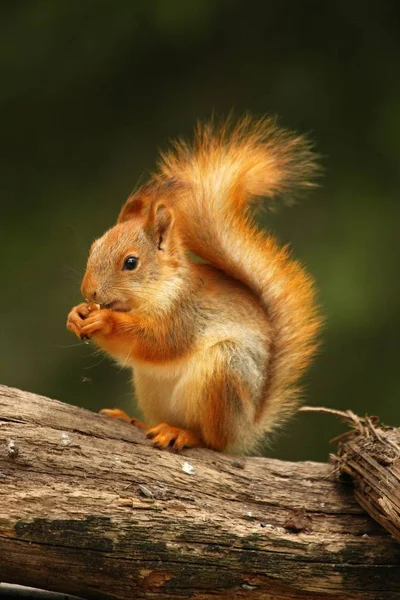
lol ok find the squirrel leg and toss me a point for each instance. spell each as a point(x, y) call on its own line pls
point(221, 383)
point(165, 436)
point(216, 399)
point(117, 413)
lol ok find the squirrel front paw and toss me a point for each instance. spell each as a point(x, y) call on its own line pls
point(100, 323)
point(77, 316)
point(87, 320)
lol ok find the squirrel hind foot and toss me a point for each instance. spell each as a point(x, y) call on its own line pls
point(166, 436)
point(117, 413)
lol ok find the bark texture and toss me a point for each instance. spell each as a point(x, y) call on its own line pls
point(89, 507)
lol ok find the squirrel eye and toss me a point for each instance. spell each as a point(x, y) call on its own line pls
point(130, 263)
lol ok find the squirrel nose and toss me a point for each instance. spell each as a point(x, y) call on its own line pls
point(88, 288)
point(89, 295)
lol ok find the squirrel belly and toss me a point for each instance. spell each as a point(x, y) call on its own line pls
point(217, 348)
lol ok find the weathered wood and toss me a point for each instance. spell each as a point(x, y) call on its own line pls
point(88, 507)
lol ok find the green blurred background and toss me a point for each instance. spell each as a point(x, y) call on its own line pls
point(90, 90)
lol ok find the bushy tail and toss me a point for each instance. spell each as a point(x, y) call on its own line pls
point(221, 175)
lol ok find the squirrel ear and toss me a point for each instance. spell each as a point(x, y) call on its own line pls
point(162, 222)
point(133, 207)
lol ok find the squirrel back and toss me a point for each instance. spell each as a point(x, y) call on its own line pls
point(216, 181)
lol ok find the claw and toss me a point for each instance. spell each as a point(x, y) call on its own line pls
point(165, 436)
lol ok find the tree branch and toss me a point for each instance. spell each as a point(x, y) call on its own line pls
point(88, 507)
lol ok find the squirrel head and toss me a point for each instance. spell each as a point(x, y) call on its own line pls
point(132, 263)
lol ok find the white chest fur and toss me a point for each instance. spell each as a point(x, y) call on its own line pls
point(162, 392)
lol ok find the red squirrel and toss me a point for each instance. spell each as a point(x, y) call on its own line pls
point(217, 346)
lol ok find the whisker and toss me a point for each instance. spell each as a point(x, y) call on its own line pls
point(67, 345)
point(74, 271)
point(95, 364)
point(96, 351)
point(127, 358)
point(74, 279)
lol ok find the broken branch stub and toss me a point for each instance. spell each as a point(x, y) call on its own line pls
point(370, 454)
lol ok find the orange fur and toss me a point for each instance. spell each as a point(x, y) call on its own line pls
point(117, 413)
point(217, 349)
